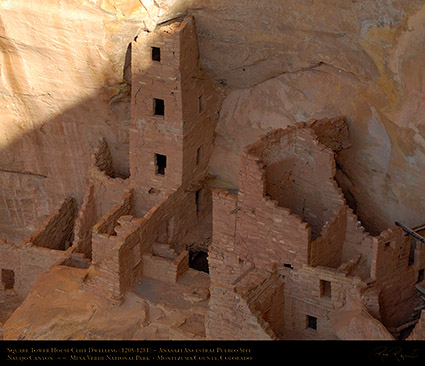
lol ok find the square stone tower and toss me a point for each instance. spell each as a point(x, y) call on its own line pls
point(174, 112)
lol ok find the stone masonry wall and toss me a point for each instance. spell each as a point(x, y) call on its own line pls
point(201, 101)
point(357, 245)
point(394, 277)
point(104, 229)
point(181, 130)
point(84, 223)
point(151, 133)
point(327, 249)
point(57, 230)
point(225, 265)
point(164, 269)
point(253, 234)
point(306, 295)
point(27, 262)
point(265, 232)
point(294, 162)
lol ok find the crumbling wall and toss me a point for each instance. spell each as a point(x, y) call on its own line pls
point(27, 262)
point(105, 229)
point(277, 235)
point(393, 276)
point(84, 223)
point(120, 241)
point(331, 132)
point(102, 158)
point(265, 299)
point(230, 316)
point(327, 249)
point(294, 162)
point(252, 233)
point(357, 247)
point(57, 230)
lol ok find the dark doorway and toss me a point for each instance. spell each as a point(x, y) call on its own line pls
point(8, 278)
point(160, 163)
point(199, 260)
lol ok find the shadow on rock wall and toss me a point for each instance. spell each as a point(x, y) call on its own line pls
point(281, 62)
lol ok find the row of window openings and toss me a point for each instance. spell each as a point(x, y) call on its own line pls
point(161, 161)
point(159, 106)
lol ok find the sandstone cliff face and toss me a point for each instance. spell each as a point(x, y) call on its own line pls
point(63, 86)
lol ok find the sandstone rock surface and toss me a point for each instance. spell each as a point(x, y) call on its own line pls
point(353, 322)
point(63, 86)
point(162, 313)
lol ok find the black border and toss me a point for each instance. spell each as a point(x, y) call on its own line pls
point(214, 352)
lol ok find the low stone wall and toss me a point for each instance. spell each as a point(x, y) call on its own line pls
point(27, 262)
point(164, 269)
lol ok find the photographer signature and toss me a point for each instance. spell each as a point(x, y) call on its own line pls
point(384, 353)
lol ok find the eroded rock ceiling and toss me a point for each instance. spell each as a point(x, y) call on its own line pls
point(63, 86)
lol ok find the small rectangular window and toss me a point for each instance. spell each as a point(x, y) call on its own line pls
point(158, 107)
point(197, 199)
point(325, 289)
point(160, 164)
point(8, 278)
point(156, 54)
point(311, 322)
point(421, 275)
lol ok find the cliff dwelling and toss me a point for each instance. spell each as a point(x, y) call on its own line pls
point(135, 229)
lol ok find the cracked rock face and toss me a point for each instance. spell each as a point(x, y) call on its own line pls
point(63, 87)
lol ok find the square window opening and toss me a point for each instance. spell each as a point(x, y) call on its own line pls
point(156, 54)
point(387, 245)
point(325, 289)
point(8, 278)
point(160, 164)
point(158, 107)
point(311, 322)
